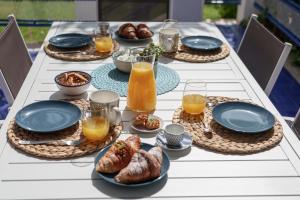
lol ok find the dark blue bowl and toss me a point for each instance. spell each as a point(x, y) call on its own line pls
point(110, 177)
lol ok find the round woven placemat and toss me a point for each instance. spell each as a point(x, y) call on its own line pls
point(189, 55)
point(55, 150)
point(224, 140)
point(88, 53)
point(108, 77)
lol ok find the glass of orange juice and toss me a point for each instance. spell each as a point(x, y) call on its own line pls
point(95, 124)
point(103, 39)
point(194, 97)
point(142, 86)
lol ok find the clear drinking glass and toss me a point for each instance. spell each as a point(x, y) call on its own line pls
point(142, 86)
point(169, 36)
point(103, 39)
point(95, 124)
point(194, 97)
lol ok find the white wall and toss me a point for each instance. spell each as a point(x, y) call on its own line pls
point(245, 9)
point(86, 10)
point(186, 10)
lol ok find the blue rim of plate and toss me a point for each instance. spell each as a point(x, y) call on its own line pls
point(265, 115)
point(76, 117)
point(217, 43)
point(71, 40)
point(110, 177)
point(118, 36)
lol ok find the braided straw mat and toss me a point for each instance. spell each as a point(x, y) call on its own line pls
point(189, 55)
point(224, 140)
point(89, 53)
point(55, 150)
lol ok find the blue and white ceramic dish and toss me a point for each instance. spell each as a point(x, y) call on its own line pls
point(243, 117)
point(70, 40)
point(110, 177)
point(48, 116)
point(185, 143)
point(202, 43)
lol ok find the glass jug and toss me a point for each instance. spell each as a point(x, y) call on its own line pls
point(142, 86)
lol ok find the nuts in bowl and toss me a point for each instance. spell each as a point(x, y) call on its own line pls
point(73, 82)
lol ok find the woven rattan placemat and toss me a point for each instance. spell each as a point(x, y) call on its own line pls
point(56, 151)
point(189, 55)
point(87, 53)
point(224, 140)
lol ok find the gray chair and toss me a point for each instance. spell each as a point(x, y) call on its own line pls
point(263, 54)
point(294, 123)
point(15, 61)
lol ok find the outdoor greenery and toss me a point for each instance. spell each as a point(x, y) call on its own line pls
point(217, 11)
point(28, 9)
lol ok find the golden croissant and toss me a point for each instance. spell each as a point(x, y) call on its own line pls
point(119, 155)
point(142, 167)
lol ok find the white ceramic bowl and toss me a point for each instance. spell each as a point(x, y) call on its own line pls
point(124, 66)
point(174, 134)
point(73, 90)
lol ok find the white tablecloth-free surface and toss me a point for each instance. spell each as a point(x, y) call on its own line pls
point(195, 173)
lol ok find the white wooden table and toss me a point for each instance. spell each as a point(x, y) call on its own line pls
point(273, 174)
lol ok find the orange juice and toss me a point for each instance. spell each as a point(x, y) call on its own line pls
point(104, 44)
point(193, 103)
point(141, 88)
point(95, 128)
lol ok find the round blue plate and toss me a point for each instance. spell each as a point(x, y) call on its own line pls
point(202, 43)
point(110, 177)
point(118, 36)
point(48, 116)
point(243, 117)
point(70, 40)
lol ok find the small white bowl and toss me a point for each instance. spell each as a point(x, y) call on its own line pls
point(174, 134)
point(124, 66)
point(73, 90)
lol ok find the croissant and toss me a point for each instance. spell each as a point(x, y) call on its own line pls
point(142, 167)
point(119, 155)
point(128, 30)
point(143, 31)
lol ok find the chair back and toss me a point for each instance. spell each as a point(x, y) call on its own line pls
point(15, 61)
point(296, 124)
point(263, 54)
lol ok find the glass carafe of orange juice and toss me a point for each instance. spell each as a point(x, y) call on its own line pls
point(95, 124)
point(194, 97)
point(142, 86)
point(103, 40)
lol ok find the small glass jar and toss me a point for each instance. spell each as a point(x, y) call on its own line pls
point(103, 39)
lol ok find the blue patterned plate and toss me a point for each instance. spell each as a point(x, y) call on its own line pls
point(243, 117)
point(70, 40)
point(48, 116)
point(110, 177)
point(202, 43)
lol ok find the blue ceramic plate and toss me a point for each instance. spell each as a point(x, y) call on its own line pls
point(118, 36)
point(243, 117)
point(202, 43)
point(48, 116)
point(70, 40)
point(110, 177)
